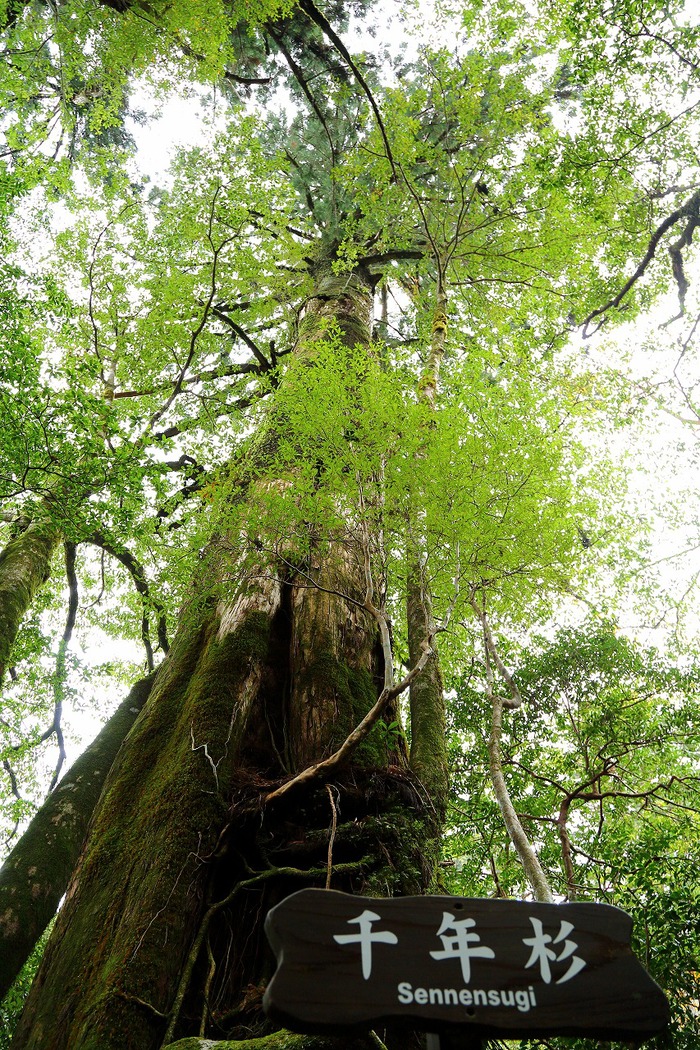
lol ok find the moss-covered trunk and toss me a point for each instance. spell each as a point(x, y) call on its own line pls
point(161, 934)
point(24, 565)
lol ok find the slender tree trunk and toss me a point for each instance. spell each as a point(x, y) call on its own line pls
point(427, 701)
point(161, 935)
point(25, 564)
point(35, 875)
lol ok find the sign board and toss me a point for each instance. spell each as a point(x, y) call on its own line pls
point(501, 967)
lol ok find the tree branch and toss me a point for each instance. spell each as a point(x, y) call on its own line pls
point(528, 858)
point(197, 331)
point(303, 84)
point(263, 362)
point(59, 679)
point(322, 22)
point(138, 575)
point(516, 699)
point(50, 846)
point(691, 211)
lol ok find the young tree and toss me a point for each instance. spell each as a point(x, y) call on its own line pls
point(606, 744)
point(355, 487)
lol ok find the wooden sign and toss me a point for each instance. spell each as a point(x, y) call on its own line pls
point(504, 968)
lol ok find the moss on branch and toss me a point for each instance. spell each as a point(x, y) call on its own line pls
point(24, 565)
point(281, 1040)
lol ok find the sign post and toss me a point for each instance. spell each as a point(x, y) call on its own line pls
point(458, 965)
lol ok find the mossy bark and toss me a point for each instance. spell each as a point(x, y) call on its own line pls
point(133, 904)
point(325, 688)
point(161, 934)
point(25, 564)
point(282, 1040)
point(427, 703)
point(35, 875)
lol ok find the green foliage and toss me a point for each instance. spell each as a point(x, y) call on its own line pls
point(69, 69)
point(491, 471)
point(157, 333)
point(12, 1005)
point(600, 759)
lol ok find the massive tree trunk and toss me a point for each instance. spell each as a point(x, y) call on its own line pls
point(161, 935)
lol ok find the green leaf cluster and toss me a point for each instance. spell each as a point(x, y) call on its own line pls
point(605, 752)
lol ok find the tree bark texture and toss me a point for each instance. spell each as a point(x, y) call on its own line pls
point(25, 564)
point(426, 696)
point(35, 875)
point(161, 934)
point(284, 1040)
point(428, 729)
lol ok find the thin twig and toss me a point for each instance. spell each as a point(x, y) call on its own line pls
point(331, 840)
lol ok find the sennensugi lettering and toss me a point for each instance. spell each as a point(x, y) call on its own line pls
point(521, 998)
point(365, 938)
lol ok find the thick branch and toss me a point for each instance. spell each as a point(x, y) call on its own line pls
point(392, 255)
point(35, 875)
point(14, 788)
point(239, 405)
point(303, 84)
point(235, 78)
point(264, 364)
point(246, 368)
point(138, 575)
point(516, 699)
point(565, 841)
point(59, 679)
point(322, 22)
point(24, 565)
point(691, 211)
